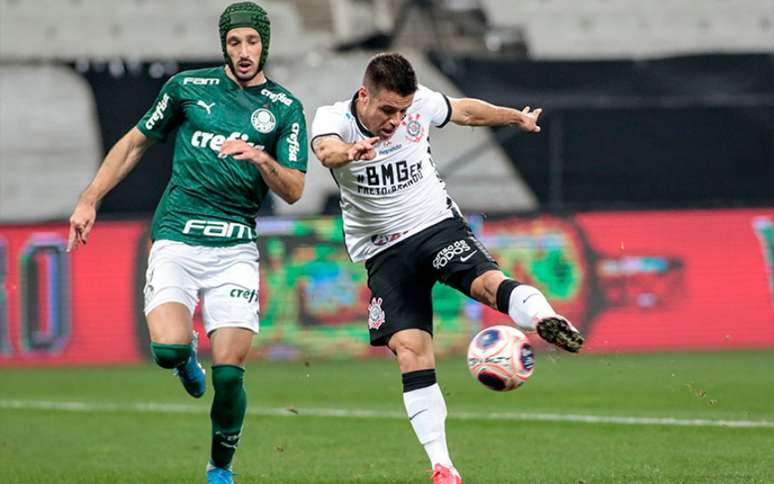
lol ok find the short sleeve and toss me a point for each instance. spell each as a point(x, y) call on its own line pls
point(436, 106)
point(292, 148)
point(164, 115)
point(328, 121)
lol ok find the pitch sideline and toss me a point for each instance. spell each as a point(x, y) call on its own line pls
point(151, 407)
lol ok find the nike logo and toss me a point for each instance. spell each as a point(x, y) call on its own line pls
point(465, 259)
point(423, 410)
point(205, 105)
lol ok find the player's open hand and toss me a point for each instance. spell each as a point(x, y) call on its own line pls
point(363, 150)
point(81, 223)
point(240, 150)
point(529, 120)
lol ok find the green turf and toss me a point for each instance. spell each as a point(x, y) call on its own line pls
point(122, 445)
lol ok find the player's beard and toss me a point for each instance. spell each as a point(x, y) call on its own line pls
point(236, 73)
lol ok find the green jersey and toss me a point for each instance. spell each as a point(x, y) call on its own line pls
point(210, 200)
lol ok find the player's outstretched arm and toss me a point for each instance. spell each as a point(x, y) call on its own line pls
point(475, 112)
point(120, 160)
point(334, 153)
point(286, 182)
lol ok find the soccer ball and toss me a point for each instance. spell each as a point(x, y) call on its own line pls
point(501, 358)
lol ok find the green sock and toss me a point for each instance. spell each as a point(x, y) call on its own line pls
point(171, 356)
point(227, 414)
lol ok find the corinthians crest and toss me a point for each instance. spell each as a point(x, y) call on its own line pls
point(375, 313)
point(414, 129)
point(263, 120)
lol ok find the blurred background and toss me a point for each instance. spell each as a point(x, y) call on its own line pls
point(644, 209)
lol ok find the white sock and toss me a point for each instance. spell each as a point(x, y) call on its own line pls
point(527, 306)
point(428, 409)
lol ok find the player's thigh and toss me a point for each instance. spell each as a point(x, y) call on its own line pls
point(455, 256)
point(232, 301)
point(230, 346)
point(400, 296)
point(170, 293)
point(170, 323)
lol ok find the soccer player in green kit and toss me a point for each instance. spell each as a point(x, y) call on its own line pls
point(239, 135)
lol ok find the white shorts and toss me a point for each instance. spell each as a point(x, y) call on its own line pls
point(226, 278)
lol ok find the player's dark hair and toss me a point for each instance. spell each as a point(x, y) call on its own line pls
point(390, 71)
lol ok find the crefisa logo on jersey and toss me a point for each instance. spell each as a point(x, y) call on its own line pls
point(158, 113)
point(375, 313)
point(414, 129)
point(250, 296)
point(263, 120)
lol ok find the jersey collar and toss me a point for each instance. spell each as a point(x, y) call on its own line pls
point(232, 85)
point(360, 126)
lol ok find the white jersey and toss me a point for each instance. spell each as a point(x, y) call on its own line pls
point(398, 193)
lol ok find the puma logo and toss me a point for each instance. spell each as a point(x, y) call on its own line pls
point(205, 105)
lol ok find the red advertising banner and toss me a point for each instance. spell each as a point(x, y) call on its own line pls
point(682, 280)
point(631, 281)
point(59, 308)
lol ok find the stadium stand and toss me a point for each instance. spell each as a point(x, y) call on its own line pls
point(134, 29)
point(633, 28)
point(49, 141)
point(306, 35)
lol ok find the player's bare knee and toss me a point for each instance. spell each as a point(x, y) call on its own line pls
point(228, 357)
point(410, 360)
point(170, 323)
point(406, 353)
point(171, 338)
point(412, 351)
point(229, 354)
point(484, 287)
point(230, 346)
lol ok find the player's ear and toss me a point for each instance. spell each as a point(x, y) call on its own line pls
point(362, 93)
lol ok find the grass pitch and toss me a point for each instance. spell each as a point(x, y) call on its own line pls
point(671, 418)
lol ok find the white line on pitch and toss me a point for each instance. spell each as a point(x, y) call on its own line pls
point(151, 407)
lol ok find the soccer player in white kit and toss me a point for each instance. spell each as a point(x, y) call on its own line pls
point(399, 219)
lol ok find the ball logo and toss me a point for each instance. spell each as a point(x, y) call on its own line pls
point(488, 338)
point(263, 120)
point(375, 313)
point(527, 357)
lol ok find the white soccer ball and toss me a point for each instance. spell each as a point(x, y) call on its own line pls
point(501, 358)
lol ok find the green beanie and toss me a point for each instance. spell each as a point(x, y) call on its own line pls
point(246, 14)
